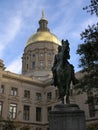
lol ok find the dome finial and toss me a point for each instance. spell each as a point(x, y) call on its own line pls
point(43, 15)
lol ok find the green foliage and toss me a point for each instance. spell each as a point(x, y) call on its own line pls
point(89, 49)
point(92, 127)
point(89, 63)
point(25, 128)
point(8, 125)
point(88, 83)
point(93, 7)
point(90, 34)
point(88, 52)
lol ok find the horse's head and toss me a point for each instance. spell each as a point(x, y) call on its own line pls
point(65, 49)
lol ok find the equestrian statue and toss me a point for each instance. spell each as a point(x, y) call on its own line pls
point(63, 72)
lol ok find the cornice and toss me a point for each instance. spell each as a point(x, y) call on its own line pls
point(25, 79)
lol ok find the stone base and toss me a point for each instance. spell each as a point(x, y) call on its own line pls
point(67, 117)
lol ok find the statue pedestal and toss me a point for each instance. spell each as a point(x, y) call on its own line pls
point(67, 117)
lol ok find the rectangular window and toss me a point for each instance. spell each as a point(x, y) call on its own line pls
point(26, 112)
point(48, 110)
point(49, 96)
point(96, 100)
point(33, 64)
point(56, 93)
point(49, 63)
point(1, 89)
point(41, 63)
point(38, 96)
point(26, 93)
point(38, 114)
point(27, 66)
point(13, 111)
point(1, 107)
point(49, 54)
point(14, 91)
point(41, 54)
point(33, 55)
point(91, 104)
point(91, 109)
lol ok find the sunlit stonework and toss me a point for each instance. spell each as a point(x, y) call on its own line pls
point(39, 52)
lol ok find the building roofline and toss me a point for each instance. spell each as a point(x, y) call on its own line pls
point(22, 78)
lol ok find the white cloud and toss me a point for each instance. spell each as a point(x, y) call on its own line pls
point(89, 21)
point(82, 26)
point(64, 17)
point(15, 66)
point(9, 32)
point(61, 17)
point(28, 7)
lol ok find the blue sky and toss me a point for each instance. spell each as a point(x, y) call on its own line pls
point(19, 20)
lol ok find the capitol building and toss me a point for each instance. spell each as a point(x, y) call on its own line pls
point(27, 98)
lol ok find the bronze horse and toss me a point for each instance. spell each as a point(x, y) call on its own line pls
point(64, 72)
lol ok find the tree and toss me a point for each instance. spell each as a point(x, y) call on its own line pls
point(88, 52)
point(93, 7)
point(92, 127)
point(25, 127)
point(8, 125)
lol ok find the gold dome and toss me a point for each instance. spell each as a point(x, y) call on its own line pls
point(43, 33)
point(43, 36)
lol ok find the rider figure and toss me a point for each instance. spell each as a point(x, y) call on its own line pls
point(57, 60)
point(66, 57)
point(55, 64)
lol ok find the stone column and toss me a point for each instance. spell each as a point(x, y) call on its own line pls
point(67, 117)
point(46, 60)
point(37, 59)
